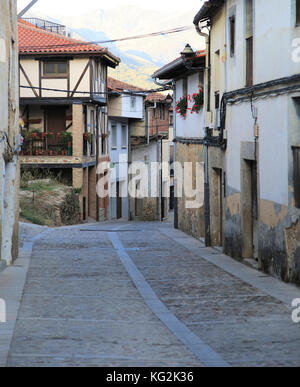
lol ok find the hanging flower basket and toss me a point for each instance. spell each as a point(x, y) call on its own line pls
point(182, 106)
point(198, 101)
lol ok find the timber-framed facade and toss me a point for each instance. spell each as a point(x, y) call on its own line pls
point(63, 102)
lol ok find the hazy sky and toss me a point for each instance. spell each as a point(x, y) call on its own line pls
point(77, 7)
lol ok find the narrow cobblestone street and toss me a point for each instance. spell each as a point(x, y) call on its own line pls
point(143, 294)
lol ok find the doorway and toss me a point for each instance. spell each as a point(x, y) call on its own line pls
point(119, 201)
point(249, 205)
point(217, 207)
point(55, 122)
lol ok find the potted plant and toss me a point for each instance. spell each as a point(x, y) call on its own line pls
point(182, 106)
point(198, 101)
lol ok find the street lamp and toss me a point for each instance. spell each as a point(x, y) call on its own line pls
point(187, 56)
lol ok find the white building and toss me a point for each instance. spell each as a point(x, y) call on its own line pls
point(187, 76)
point(255, 81)
point(9, 130)
point(126, 107)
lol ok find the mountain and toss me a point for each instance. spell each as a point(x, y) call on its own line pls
point(140, 57)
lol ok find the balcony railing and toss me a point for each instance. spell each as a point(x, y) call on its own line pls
point(47, 25)
point(47, 144)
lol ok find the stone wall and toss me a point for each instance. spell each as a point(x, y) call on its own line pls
point(190, 220)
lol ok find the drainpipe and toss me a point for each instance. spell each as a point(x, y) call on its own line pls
point(206, 178)
point(97, 161)
point(175, 154)
point(174, 135)
point(161, 181)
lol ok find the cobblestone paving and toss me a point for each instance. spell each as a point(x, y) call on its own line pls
point(81, 308)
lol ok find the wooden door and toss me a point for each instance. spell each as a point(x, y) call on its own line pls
point(55, 122)
point(119, 201)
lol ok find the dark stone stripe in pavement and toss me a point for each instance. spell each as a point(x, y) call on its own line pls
point(204, 353)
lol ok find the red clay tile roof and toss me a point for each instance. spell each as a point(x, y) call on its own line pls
point(119, 86)
point(157, 97)
point(34, 40)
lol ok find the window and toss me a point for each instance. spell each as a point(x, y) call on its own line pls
point(185, 87)
point(232, 35)
point(249, 61)
point(171, 118)
point(297, 12)
point(133, 103)
point(55, 69)
point(124, 136)
point(217, 100)
point(217, 110)
point(296, 158)
point(249, 42)
point(162, 112)
point(113, 137)
point(92, 121)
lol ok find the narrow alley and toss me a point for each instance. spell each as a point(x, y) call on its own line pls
point(142, 294)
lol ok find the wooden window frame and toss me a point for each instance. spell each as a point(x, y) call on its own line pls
point(162, 112)
point(232, 34)
point(55, 75)
point(124, 137)
point(297, 13)
point(185, 87)
point(296, 175)
point(114, 131)
point(249, 61)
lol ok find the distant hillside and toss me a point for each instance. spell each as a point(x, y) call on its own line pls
point(141, 57)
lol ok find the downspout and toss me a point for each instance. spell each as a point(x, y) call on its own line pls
point(161, 181)
point(97, 161)
point(206, 177)
point(175, 135)
point(175, 144)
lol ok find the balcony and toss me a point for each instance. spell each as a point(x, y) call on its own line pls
point(47, 144)
point(47, 25)
point(89, 144)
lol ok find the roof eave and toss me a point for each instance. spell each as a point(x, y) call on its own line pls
point(162, 73)
point(207, 10)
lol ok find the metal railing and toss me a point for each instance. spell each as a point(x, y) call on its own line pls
point(47, 144)
point(47, 25)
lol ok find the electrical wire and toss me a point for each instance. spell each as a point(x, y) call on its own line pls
point(152, 34)
point(124, 93)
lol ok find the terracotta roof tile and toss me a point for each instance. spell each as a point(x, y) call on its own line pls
point(157, 97)
point(115, 85)
point(34, 40)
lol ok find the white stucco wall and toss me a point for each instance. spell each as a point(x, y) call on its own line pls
point(273, 146)
point(274, 32)
point(130, 112)
point(119, 167)
point(193, 125)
